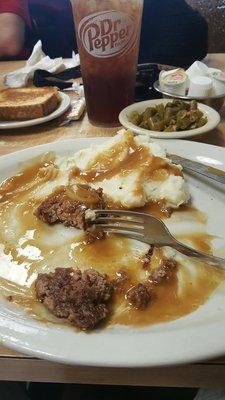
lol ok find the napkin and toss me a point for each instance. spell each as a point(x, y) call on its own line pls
point(39, 61)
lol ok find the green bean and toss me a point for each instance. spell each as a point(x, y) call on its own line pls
point(135, 118)
point(176, 115)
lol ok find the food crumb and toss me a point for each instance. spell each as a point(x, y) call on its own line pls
point(139, 296)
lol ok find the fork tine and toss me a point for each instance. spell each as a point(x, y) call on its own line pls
point(121, 228)
point(120, 220)
point(129, 235)
point(119, 212)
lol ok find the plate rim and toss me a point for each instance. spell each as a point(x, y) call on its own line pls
point(60, 142)
point(62, 107)
point(172, 360)
point(210, 125)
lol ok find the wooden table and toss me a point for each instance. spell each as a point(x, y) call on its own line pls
point(15, 366)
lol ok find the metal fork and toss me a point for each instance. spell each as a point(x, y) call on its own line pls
point(147, 229)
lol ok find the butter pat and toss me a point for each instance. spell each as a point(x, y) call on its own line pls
point(174, 81)
point(78, 107)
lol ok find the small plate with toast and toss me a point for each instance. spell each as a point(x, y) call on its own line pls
point(23, 107)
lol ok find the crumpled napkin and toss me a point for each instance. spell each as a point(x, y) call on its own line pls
point(39, 60)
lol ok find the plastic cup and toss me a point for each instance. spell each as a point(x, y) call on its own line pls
point(218, 78)
point(198, 68)
point(200, 86)
point(108, 33)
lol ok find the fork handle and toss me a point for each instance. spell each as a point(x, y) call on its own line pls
point(208, 258)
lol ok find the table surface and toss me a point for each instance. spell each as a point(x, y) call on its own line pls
point(16, 366)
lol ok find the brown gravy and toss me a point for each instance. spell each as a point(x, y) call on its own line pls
point(28, 247)
point(136, 158)
point(200, 241)
point(166, 305)
point(216, 171)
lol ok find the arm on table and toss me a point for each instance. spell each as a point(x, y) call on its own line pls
point(12, 34)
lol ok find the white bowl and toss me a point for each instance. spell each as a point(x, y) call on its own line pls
point(212, 116)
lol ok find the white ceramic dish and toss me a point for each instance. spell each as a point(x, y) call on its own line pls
point(62, 107)
point(217, 93)
point(198, 335)
point(216, 101)
point(212, 116)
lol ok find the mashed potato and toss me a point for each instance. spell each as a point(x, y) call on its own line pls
point(131, 170)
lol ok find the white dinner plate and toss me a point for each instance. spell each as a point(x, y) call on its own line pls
point(198, 335)
point(62, 107)
point(213, 119)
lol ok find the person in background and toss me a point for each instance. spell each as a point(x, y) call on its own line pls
point(14, 22)
point(173, 33)
point(24, 22)
point(52, 23)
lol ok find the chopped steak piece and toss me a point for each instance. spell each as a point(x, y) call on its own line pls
point(164, 272)
point(147, 258)
point(68, 206)
point(59, 208)
point(82, 298)
point(139, 296)
point(92, 234)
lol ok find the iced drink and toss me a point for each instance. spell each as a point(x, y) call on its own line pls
point(108, 33)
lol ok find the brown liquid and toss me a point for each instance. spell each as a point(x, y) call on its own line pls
point(216, 171)
point(108, 96)
point(108, 80)
point(189, 211)
point(166, 305)
point(157, 209)
point(200, 241)
point(31, 246)
point(19, 183)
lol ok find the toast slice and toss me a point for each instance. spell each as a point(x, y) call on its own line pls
point(27, 103)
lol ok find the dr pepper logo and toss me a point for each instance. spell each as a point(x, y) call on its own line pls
point(108, 33)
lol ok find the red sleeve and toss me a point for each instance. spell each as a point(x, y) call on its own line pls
point(19, 7)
